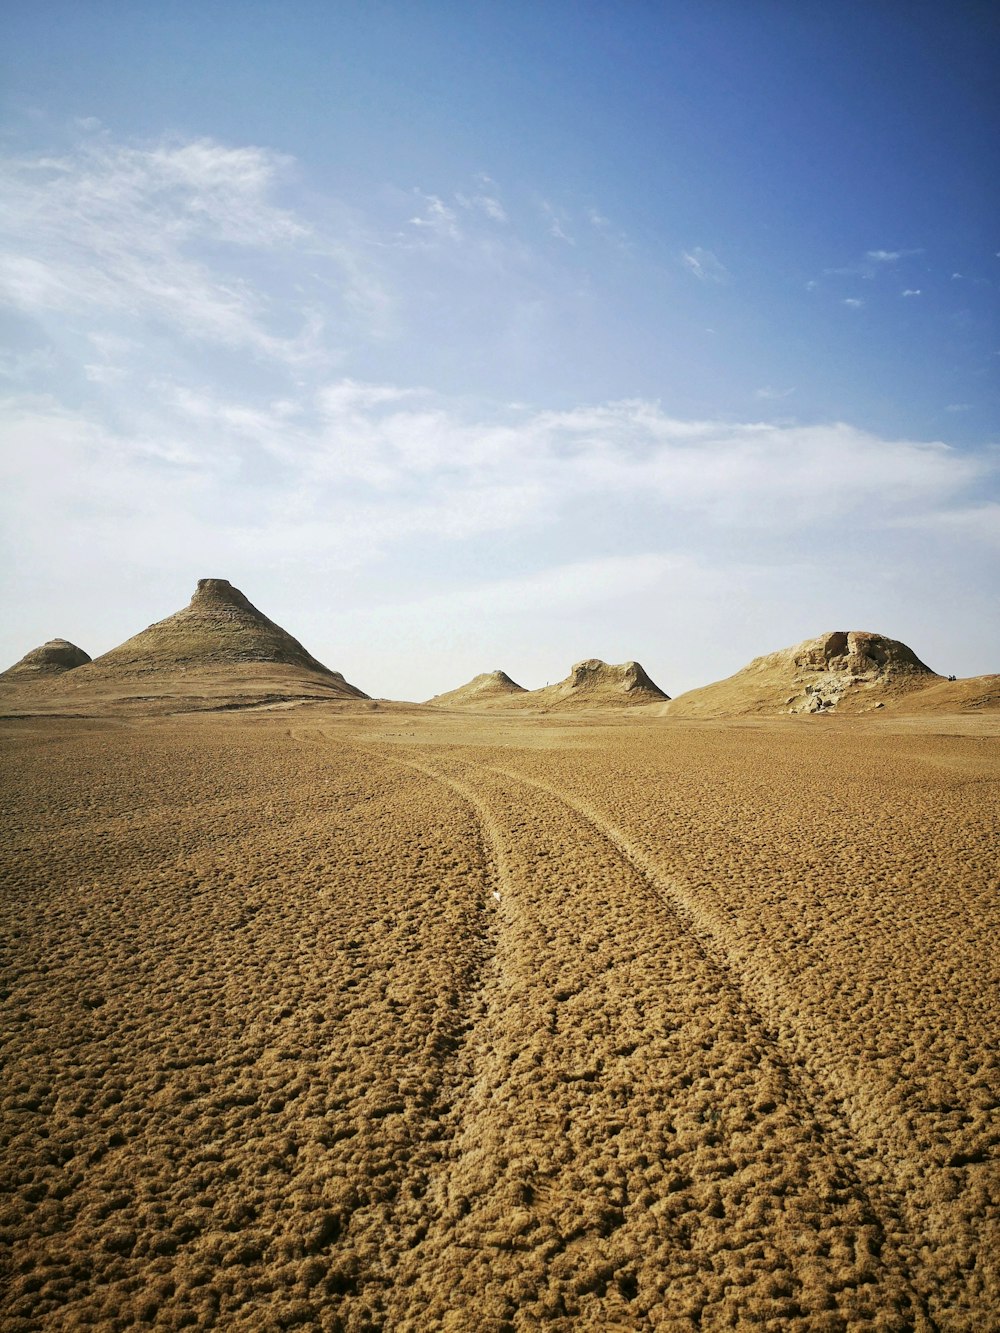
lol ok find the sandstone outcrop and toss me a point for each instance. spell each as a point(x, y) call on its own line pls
point(596, 684)
point(844, 670)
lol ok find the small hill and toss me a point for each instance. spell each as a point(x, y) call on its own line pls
point(51, 659)
point(847, 671)
point(492, 688)
point(596, 684)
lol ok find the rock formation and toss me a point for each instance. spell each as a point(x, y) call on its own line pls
point(51, 659)
point(596, 684)
point(219, 627)
point(849, 670)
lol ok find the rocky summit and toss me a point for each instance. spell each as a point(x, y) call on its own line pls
point(51, 659)
point(596, 684)
point(845, 670)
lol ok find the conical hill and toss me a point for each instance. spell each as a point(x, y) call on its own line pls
point(221, 649)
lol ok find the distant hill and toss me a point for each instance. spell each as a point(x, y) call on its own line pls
point(846, 671)
point(51, 659)
point(490, 688)
point(596, 684)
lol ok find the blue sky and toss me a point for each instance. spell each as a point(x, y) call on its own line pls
point(465, 335)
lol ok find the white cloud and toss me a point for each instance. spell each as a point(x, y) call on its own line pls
point(485, 200)
point(771, 395)
point(891, 256)
point(141, 233)
point(854, 302)
point(912, 291)
point(704, 265)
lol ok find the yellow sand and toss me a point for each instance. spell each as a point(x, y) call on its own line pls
point(348, 1018)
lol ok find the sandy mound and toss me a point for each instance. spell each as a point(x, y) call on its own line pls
point(51, 659)
point(595, 684)
point(847, 671)
point(492, 687)
point(972, 694)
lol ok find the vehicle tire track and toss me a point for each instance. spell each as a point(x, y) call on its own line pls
point(708, 930)
point(484, 1067)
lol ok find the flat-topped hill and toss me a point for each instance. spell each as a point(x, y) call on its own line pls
point(51, 659)
point(844, 670)
point(488, 689)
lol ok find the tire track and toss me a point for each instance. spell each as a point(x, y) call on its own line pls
point(823, 1104)
point(817, 1105)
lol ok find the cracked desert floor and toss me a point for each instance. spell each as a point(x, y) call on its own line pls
point(373, 1018)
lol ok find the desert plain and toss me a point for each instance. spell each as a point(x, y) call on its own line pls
point(342, 1014)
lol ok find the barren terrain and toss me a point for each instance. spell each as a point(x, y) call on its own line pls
point(355, 1017)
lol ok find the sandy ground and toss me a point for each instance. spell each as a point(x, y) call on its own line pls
point(409, 1020)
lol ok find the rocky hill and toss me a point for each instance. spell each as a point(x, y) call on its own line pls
point(596, 684)
point(219, 651)
point(844, 671)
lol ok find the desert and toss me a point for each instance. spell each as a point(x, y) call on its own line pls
point(575, 1008)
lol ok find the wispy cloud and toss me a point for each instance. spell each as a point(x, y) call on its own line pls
point(911, 291)
point(556, 223)
point(704, 265)
point(142, 232)
point(891, 256)
point(772, 395)
point(855, 302)
point(437, 218)
point(485, 199)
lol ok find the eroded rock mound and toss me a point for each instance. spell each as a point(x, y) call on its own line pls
point(596, 684)
point(491, 687)
point(51, 659)
point(220, 627)
point(850, 670)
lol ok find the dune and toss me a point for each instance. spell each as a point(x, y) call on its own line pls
point(51, 659)
point(846, 671)
point(488, 688)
